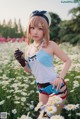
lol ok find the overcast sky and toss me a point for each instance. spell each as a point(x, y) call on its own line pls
point(10, 9)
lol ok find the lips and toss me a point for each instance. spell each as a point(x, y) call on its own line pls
point(35, 36)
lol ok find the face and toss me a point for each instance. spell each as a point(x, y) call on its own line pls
point(37, 32)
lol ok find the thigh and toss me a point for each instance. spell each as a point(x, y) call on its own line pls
point(43, 98)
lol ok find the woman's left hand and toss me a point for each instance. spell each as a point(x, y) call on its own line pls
point(58, 82)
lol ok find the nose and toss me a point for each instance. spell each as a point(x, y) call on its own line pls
point(35, 31)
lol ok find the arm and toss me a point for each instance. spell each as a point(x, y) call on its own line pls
point(20, 58)
point(64, 57)
point(27, 69)
point(66, 64)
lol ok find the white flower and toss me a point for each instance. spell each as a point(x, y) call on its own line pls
point(66, 79)
point(78, 114)
point(25, 117)
point(57, 117)
point(75, 85)
point(75, 106)
point(71, 107)
point(50, 102)
point(23, 99)
point(56, 99)
point(72, 91)
point(8, 97)
point(77, 77)
point(68, 107)
point(23, 93)
point(2, 102)
point(50, 110)
point(14, 111)
point(69, 115)
point(31, 106)
point(75, 82)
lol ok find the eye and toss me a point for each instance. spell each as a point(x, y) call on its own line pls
point(32, 27)
point(40, 28)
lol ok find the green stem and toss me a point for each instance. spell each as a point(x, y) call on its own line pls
point(70, 115)
point(75, 115)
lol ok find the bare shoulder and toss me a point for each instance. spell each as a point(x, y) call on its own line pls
point(53, 45)
point(58, 51)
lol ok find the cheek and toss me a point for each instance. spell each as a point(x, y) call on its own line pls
point(42, 33)
point(31, 31)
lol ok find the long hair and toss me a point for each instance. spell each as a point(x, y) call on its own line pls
point(35, 21)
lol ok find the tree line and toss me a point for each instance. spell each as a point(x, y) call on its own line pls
point(11, 29)
point(60, 31)
point(67, 30)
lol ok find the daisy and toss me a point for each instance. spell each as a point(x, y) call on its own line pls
point(14, 111)
point(50, 110)
point(75, 106)
point(2, 102)
point(57, 117)
point(25, 116)
point(56, 99)
point(71, 107)
point(50, 102)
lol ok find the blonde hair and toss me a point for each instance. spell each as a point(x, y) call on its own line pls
point(35, 21)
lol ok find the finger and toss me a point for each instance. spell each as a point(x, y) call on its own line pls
point(58, 86)
point(17, 50)
point(18, 53)
point(55, 83)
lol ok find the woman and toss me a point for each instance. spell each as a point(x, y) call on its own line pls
point(40, 55)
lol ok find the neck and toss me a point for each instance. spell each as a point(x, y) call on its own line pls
point(37, 44)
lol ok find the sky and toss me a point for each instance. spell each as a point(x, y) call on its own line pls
point(15, 9)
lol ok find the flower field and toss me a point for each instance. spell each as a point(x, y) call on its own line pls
point(18, 92)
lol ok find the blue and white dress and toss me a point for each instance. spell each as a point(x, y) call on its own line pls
point(42, 67)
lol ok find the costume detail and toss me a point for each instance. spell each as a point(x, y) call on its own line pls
point(42, 68)
point(19, 57)
point(43, 14)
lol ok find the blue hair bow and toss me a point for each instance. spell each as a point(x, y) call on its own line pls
point(40, 13)
point(36, 12)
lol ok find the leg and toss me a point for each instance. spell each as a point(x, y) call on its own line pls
point(43, 98)
point(59, 107)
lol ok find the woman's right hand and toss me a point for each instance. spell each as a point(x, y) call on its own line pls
point(57, 83)
point(19, 57)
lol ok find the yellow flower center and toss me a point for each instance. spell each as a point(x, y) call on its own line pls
point(69, 106)
point(50, 109)
point(57, 117)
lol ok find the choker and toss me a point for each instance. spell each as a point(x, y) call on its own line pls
point(37, 47)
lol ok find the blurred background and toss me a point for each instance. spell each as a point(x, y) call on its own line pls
point(65, 16)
